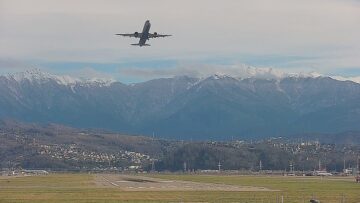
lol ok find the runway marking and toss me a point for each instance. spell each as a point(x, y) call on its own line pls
point(112, 183)
point(138, 183)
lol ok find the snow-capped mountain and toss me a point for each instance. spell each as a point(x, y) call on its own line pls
point(215, 107)
point(37, 76)
point(245, 72)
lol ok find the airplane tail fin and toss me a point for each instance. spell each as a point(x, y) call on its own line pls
point(140, 45)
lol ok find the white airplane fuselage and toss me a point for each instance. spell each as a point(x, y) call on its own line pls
point(145, 33)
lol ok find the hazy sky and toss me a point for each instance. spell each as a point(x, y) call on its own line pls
point(78, 36)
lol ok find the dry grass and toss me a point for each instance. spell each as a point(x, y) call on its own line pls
point(56, 188)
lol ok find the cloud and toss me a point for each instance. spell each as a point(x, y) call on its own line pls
point(342, 78)
point(83, 31)
point(205, 70)
point(199, 71)
point(10, 65)
point(136, 74)
point(90, 73)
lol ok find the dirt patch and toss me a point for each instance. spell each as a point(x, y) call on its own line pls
point(140, 183)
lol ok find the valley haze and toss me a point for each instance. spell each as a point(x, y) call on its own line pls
point(263, 103)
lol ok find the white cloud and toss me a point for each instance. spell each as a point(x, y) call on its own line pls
point(240, 71)
point(10, 65)
point(341, 78)
point(90, 73)
point(205, 70)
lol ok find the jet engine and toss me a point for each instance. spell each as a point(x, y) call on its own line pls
point(136, 34)
point(155, 34)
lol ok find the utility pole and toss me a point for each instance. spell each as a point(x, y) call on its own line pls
point(153, 166)
point(260, 166)
point(357, 165)
point(219, 166)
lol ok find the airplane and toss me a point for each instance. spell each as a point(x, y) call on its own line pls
point(144, 35)
point(323, 173)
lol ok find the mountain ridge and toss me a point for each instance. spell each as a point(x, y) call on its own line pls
point(36, 75)
point(183, 107)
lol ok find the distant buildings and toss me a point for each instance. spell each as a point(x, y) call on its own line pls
point(23, 172)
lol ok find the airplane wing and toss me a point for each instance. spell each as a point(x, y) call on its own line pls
point(136, 35)
point(155, 35)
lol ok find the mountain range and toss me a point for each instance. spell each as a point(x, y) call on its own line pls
point(216, 107)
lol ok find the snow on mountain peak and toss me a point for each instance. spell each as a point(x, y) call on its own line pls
point(99, 81)
point(219, 76)
point(247, 72)
point(38, 76)
point(241, 72)
point(270, 73)
point(32, 74)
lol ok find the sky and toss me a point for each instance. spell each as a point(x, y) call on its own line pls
point(209, 36)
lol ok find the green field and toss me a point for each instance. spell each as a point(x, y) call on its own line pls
point(83, 188)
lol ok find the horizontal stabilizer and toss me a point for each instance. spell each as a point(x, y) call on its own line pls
point(140, 45)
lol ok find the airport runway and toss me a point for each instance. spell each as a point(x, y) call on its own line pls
point(141, 183)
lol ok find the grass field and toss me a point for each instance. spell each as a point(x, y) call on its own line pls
point(83, 188)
